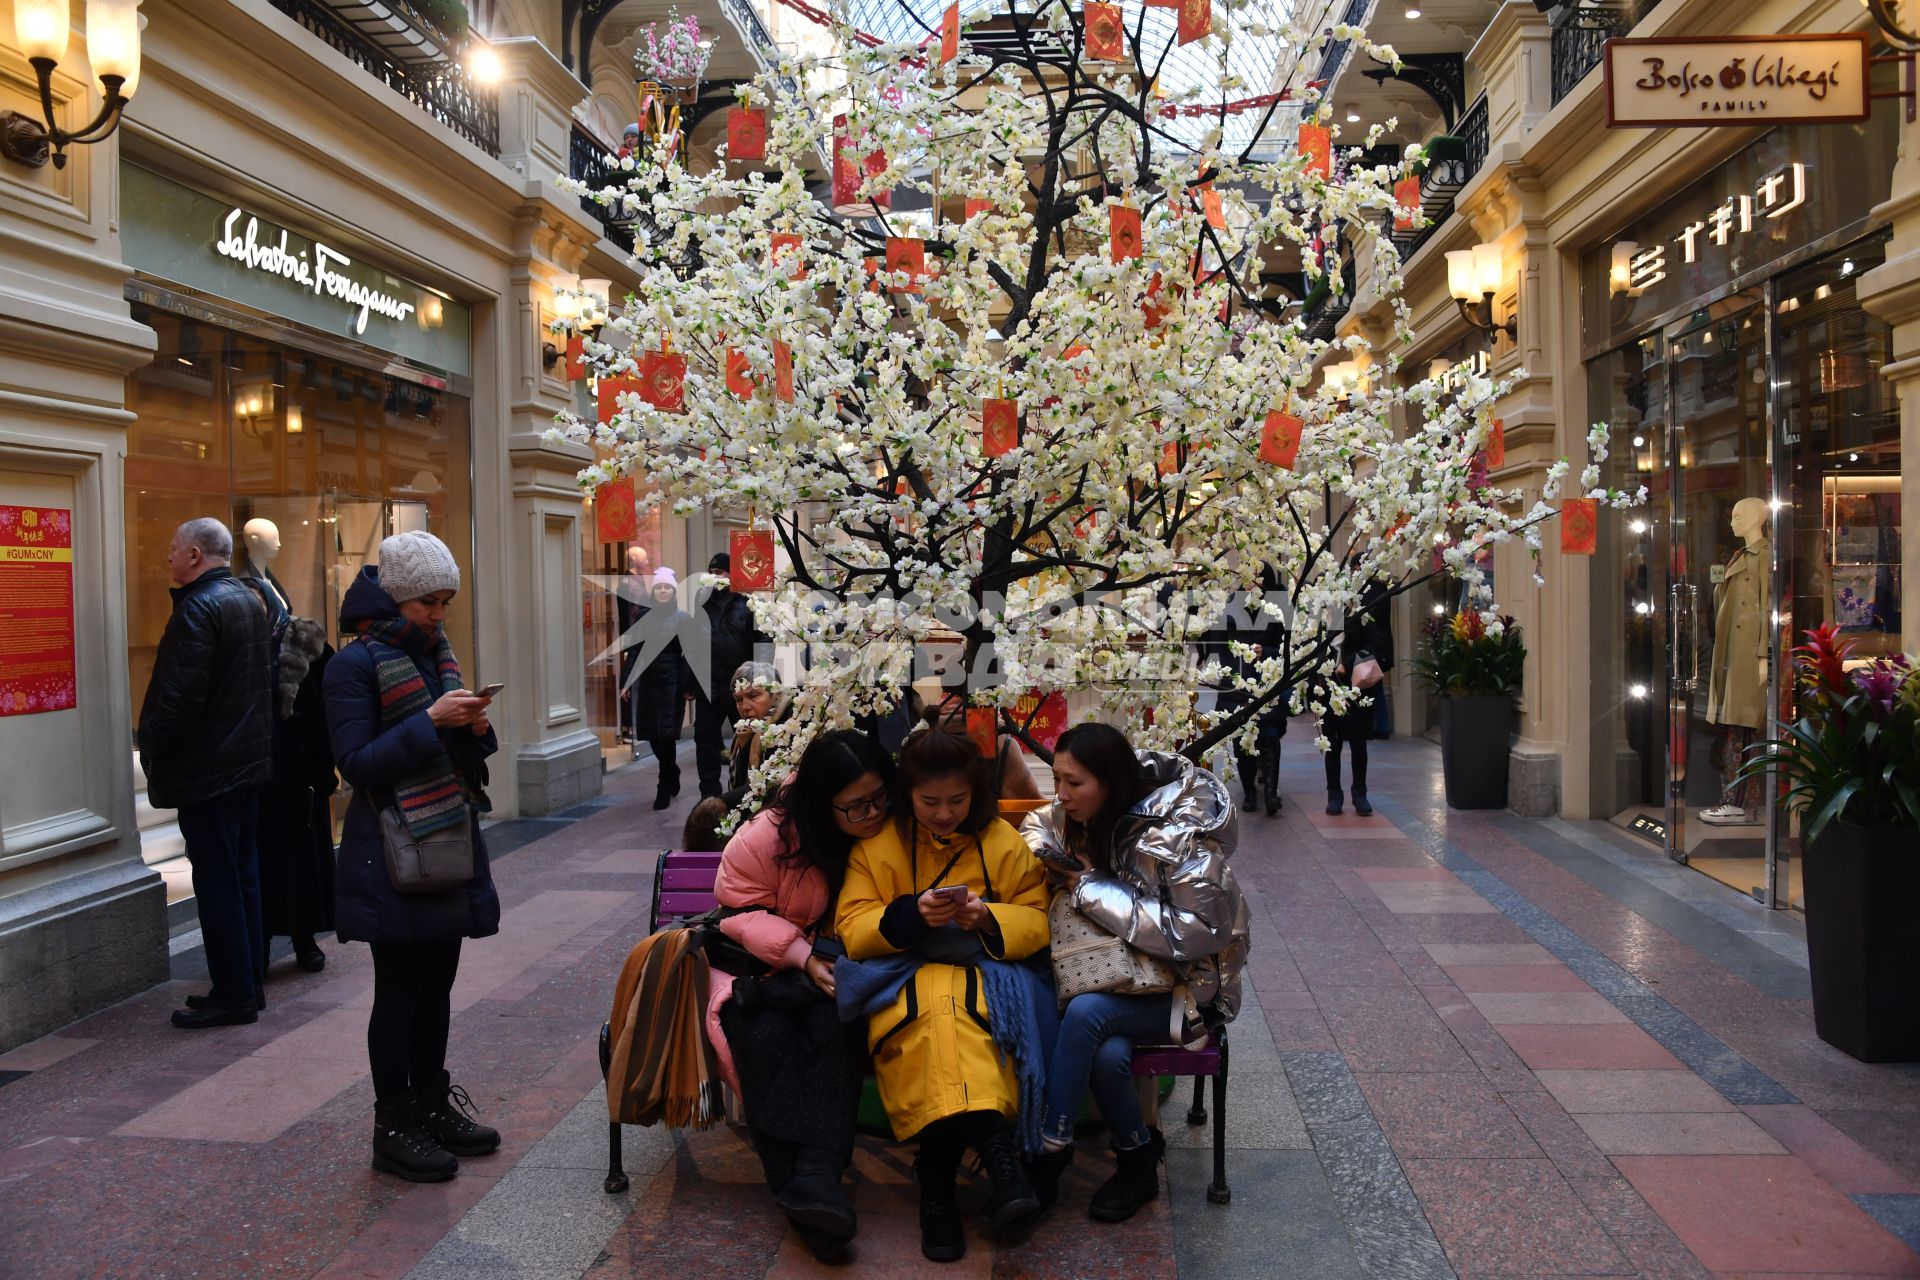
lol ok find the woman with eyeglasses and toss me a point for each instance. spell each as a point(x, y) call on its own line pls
point(778, 1036)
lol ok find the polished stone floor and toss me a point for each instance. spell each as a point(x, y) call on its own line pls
point(1473, 1045)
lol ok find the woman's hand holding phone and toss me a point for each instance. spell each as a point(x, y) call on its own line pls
point(938, 905)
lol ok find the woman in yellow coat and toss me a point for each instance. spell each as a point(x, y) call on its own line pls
point(939, 896)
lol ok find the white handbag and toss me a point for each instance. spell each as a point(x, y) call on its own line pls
point(1088, 958)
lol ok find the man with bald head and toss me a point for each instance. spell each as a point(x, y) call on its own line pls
point(206, 744)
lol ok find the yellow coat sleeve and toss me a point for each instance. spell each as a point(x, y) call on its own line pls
point(1020, 884)
point(864, 897)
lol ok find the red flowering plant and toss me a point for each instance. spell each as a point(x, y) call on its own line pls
point(1471, 653)
point(1853, 754)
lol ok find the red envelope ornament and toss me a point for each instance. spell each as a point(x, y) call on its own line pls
point(739, 374)
point(999, 427)
point(1497, 445)
point(663, 380)
point(1316, 143)
point(1106, 37)
point(850, 170)
point(983, 727)
point(905, 253)
point(977, 206)
point(746, 134)
point(1211, 206)
point(1579, 526)
point(616, 518)
point(1406, 194)
point(608, 391)
point(950, 33)
point(576, 366)
point(786, 245)
point(1072, 353)
point(750, 556)
point(783, 371)
point(1169, 458)
point(1280, 439)
point(1123, 232)
point(1196, 20)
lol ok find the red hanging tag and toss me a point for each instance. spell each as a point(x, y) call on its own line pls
point(1106, 36)
point(1497, 445)
point(999, 427)
point(576, 366)
point(977, 206)
point(1406, 194)
point(1211, 206)
point(1280, 439)
point(788, 247)
point(739, 374)
point(983, 726)
point(1073, 353)
point(1316, 143)
point(746, 134)
point(1196, 20)
point(1123, 232)
point(783, 371)
point(1169, 458)
point(905, 253)
point(608, 391)
point(1579, 526)
point(950, 33)
point(850, 170)
point(663, 379)
point(750, 559)
point(616, 517)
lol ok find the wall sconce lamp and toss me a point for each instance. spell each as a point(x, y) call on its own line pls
point(579, 306)
point(113, 48)
point(1344, 379)
point(1473, 277)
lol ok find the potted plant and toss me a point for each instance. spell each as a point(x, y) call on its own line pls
point(1474, 662)
point(1850, 763)
point(672, 53)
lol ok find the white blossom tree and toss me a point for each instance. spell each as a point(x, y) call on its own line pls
point(1087, 258)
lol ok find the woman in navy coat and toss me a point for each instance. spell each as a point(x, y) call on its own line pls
point(406, 734)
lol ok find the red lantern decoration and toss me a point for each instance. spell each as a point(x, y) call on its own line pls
point(906, 254)
point(950, 33)
point(850, 170)
point(616, 515)
point(783, 371)
point(750, 559)
point(1280, 439)
point(663, 380)
point(1123, 232)
point(999, 427)
point(1579, 526)
point(576, 366)
point(746, 134)
point(1406, 194)
point(1196, 20)
point(608, 391)
point(1106, 36)
point(739, 374)
point(1316, 143)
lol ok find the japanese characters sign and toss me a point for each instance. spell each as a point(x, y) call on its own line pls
point(36, 610)
point(1738, 80)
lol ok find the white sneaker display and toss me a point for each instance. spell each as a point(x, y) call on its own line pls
point(1725, 815)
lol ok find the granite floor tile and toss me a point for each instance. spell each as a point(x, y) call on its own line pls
point(1261, 1114)
point(1592, 1047)
point(1632, 1091)
point(1843, 1162)
point(1564, 1141)
point(1511, 1216)
point(1282, 1208)
point(1389, 1029)
point(1667, 1133)
point(1490, 953)
point(1524, 1007)
point(1430, 1115)
point(1515, 977)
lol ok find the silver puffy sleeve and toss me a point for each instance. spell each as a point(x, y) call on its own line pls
point(1189, 915)
point(1045, 831)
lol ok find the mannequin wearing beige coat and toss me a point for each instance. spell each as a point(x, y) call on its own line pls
point(1737, 681)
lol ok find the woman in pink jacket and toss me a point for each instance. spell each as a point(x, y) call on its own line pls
point(781, 1043)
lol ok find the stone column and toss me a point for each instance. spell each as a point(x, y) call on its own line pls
point(83, 921)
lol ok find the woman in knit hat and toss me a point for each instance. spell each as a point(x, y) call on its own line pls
point(411, 741)
point(657, 676)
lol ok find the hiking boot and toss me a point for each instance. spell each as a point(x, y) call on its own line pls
point(1360, 805)
point(1136, 1183)
point(450, 1117)
point(404, 1146)
point(941, 1236)
point(1336, 800)
point(1250, 798)
point(1011, 1203)
point(1044, 1172)
point(815, 1201)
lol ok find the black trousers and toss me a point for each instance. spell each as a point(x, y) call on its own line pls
point(710, 733)
point(220, 836)
point(801, 1070)
point(1355, 742)
point(412, 1007)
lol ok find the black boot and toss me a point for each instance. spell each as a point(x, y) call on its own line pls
point(661, 800)
point(941, 1237)
point(1137, 1183)
point(308, 955)
point(1360, 805)
point(1011, 1203)
point(1043, 1174)
point(1336, 802)
point(404, 1146)
point(814, 1199)
point(450, 1117)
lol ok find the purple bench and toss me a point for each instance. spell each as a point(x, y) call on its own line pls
point(683, 887)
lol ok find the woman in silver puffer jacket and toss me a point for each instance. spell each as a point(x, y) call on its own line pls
point(1141, 840)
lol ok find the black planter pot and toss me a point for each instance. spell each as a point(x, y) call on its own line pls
point(1475, 730)
point(1862, 885)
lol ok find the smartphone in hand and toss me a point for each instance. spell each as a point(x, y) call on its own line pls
point(493, 688)
point(954, 893)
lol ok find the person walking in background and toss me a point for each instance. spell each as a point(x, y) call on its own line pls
point(1259, 769)
point(717, 637)
point(630, 599)
point(656, 676)
point(409, 739)
point(1365, 639)
point(206, 745)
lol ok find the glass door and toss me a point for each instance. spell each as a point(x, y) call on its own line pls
point(1719, 588)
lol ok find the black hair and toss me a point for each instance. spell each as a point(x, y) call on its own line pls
point(1104, 752)
point(702, 832)
point(930, 753)
point(831, 763)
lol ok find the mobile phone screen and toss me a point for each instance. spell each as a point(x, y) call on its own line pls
point(493, 688)
point(953, 892)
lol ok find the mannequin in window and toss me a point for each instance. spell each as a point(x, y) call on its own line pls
point(263, 547)
point(1737, 682)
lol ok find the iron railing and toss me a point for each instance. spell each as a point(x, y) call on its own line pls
point(1336, 50)
point(441, 89)
point(1335, 304)
point(1446, 175)
point(1580, 35)
point(1472, 132)
point(593, 164)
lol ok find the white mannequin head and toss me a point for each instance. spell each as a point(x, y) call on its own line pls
point(263, 541)
point(637, 561)
point(1749, 520)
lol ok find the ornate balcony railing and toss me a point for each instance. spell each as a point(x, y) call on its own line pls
point(1325, 313)
point(441, 89)
point(1453, 160)
point(1580, 35)
point(594, 165)
point(1336, 51)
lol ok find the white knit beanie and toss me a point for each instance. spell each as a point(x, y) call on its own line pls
point(416, 564)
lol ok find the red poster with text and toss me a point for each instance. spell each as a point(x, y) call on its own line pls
point(1280, 439)
point(950, 33)
point(36, 611)
point(1043, 717)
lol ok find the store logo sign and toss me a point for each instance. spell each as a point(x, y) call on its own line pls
point(318, 269)
point(1737, 80)
point(1637, 268)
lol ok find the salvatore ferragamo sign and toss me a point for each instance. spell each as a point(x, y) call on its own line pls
point(1716, 80)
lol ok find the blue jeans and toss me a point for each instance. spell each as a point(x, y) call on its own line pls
point(1095, 1049)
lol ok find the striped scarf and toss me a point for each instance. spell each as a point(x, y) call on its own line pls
point(436, 795)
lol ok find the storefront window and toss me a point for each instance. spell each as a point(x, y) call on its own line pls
point(335, 456)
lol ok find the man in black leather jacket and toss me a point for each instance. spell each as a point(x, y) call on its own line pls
point(206, 744)
point(720, 637)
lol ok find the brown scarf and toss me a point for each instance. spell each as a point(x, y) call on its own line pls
point(662, 1067)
